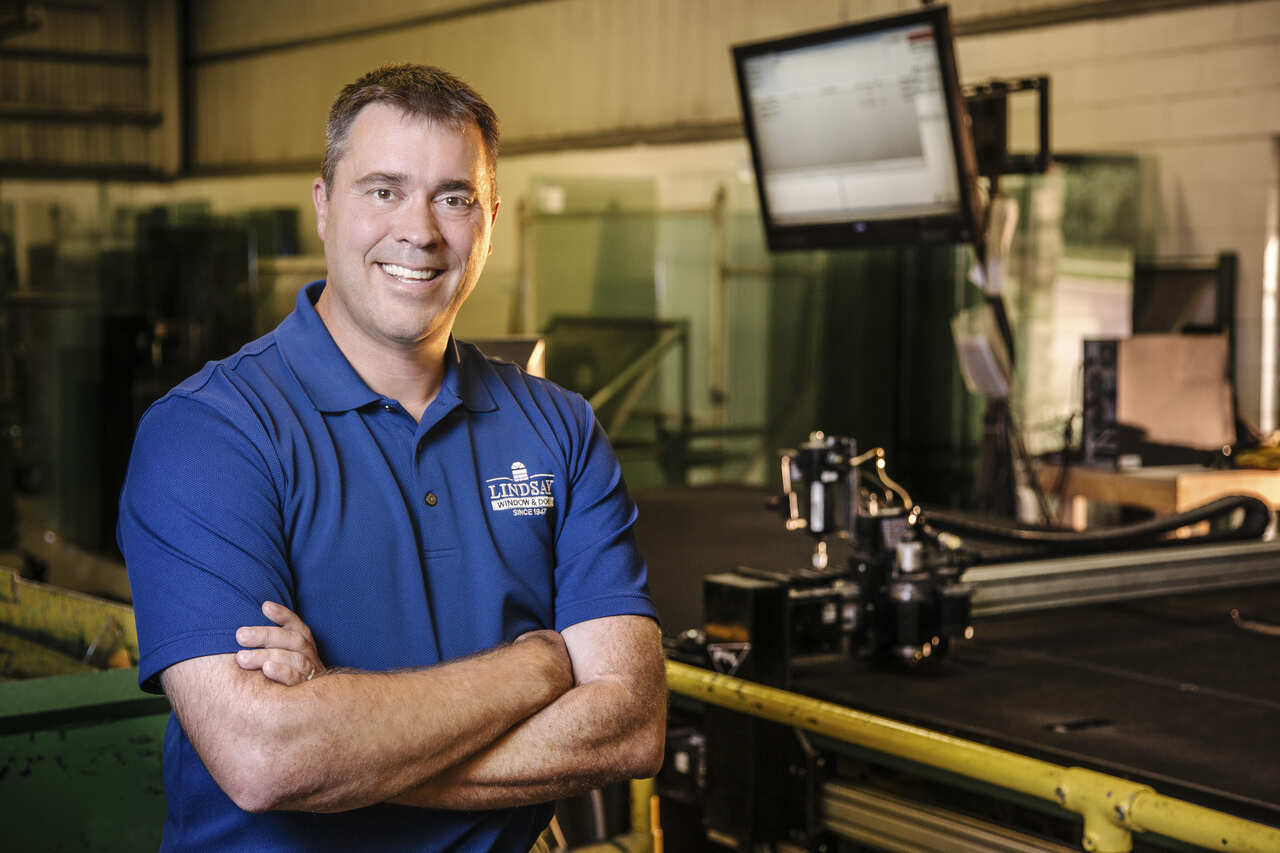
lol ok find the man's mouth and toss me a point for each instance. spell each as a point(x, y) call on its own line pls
point(408, 273)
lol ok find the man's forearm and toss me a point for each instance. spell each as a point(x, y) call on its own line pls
point(609, 728)
point(347, 739)
point(562, 751)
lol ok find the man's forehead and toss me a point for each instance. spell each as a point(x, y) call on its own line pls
point(374, 144)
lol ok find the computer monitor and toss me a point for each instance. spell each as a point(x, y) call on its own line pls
point(858, 134)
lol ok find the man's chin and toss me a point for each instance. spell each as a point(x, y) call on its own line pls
point(412, 337)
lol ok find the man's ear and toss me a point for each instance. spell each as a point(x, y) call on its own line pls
point(320, 198)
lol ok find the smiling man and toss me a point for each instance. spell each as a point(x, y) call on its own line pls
point(456, 629)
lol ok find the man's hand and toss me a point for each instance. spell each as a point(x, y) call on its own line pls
point(554, 642)
point(286, 654)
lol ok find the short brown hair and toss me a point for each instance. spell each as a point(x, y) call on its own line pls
point(419, 90)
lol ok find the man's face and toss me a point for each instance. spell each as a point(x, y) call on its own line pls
point(406, 229)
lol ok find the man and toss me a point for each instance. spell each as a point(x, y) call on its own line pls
point(450, 534)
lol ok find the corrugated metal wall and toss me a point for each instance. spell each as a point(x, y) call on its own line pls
point(579, 73)
point(560, 73)
point(93, 88)
point(1194, 91)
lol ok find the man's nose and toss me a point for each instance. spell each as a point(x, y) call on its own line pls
point(417, 224)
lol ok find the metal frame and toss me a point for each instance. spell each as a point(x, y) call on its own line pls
point(1112, 808)
point(640, 373)
point(1120, 576)
point(892, 823)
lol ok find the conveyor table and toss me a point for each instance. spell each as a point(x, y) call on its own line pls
point(1164, 690)
point(1167, 691)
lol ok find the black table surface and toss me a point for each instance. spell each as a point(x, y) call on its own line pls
point(1165, 690)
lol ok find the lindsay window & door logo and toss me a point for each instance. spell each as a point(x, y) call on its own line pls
point(522, 493)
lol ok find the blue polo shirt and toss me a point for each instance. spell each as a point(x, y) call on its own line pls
point(277, 474)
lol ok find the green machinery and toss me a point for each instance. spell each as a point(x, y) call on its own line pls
point(80, 746)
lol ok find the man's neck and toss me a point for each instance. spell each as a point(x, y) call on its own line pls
point(411, 374)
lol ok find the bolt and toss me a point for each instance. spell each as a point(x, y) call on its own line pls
point(1060, 794)
point(1090, 843)
point(1120, 813)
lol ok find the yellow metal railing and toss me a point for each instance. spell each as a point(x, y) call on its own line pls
point(54, 620)
point(1112, 807)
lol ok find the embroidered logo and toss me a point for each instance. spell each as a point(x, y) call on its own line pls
point(522, 493)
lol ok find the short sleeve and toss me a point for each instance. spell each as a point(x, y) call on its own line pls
point(201, 532)
point(599, 570)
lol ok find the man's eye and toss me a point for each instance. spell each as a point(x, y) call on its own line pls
point(457, 201)
point(383, 194)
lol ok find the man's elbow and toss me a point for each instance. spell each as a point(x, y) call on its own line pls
point(646, 746)
point(254, 783)
point(267, 772)
point(255, 799)
point(647, 757)
point(649, 736)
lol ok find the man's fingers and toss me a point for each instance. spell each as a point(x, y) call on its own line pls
point(283, 673)
point(285, 618)
point(269, 660)
point(266, 637)
point(285, 654)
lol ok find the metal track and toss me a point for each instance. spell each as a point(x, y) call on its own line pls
point(902, 826)
point(1099, 578)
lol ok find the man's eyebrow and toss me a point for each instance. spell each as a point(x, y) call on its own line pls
point(456, 185)
point(393, 178)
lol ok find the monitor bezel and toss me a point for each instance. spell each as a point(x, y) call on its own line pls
point(960, 226)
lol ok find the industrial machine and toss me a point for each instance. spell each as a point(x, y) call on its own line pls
point(898, 597)
point(1086, 653)
point(902, 596)
point(888, 598)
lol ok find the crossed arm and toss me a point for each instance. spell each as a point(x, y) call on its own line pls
point(547, 716)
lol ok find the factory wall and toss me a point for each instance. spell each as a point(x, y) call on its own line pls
point(91, 87)
point(616, 88)
point(1196, 94)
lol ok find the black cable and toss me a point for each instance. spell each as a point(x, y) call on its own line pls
point(1151, 533)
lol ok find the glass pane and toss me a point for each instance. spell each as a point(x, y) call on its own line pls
point(1070, 279)
point(103, 311)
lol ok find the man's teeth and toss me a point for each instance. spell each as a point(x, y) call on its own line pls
point(405, 272)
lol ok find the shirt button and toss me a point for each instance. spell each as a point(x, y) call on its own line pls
point(431, 499)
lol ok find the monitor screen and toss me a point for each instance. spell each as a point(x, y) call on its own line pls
point(857, 134)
